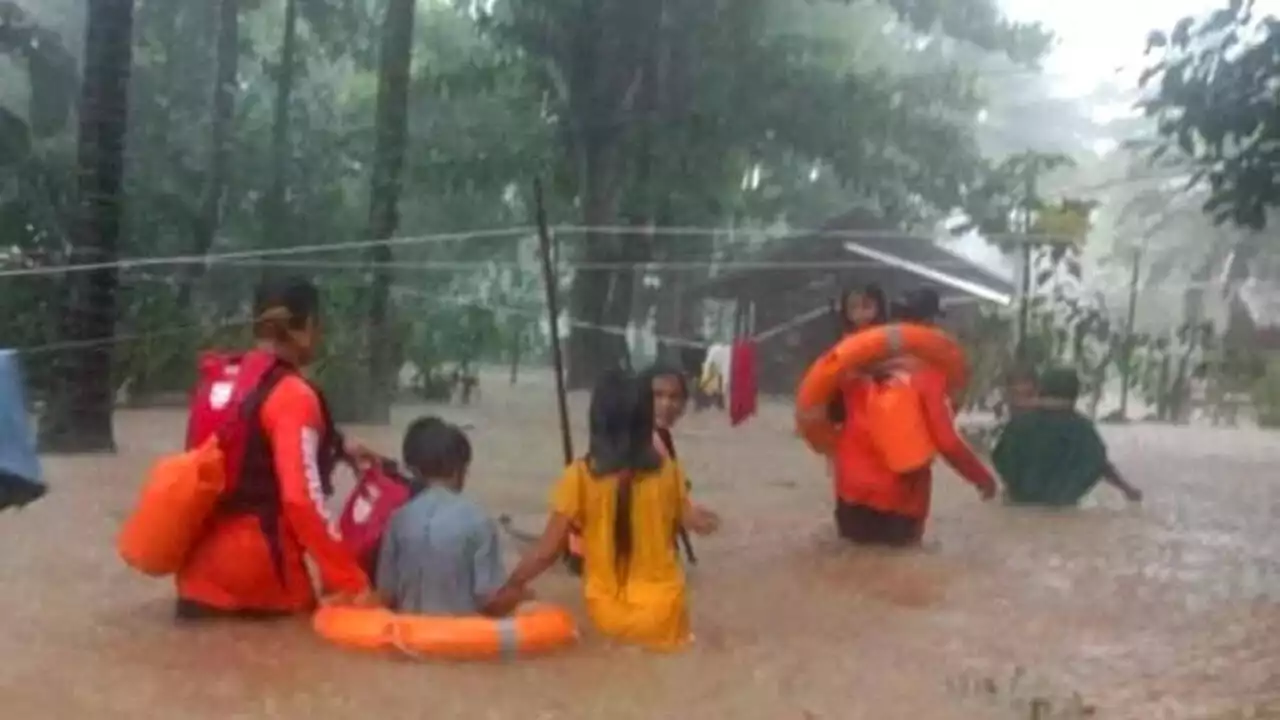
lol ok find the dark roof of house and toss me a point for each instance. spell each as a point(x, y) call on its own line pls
point(867, 251)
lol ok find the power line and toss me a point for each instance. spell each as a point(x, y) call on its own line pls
point(514, 232)
point(654, 266)
point(759, 234)
point(129, 263)
point(801, 234)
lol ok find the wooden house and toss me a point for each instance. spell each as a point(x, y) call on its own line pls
point(789, 303)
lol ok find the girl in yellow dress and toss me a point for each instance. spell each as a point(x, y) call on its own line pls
point(628, 501)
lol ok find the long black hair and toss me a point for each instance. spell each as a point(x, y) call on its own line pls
point(621, 444)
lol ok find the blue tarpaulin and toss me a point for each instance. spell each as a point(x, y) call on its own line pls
point(20, 481)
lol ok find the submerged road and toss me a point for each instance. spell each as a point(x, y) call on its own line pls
point(1171, 609)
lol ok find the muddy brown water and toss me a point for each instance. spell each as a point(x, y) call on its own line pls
point(1165, 610)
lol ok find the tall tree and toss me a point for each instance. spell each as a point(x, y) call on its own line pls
point(593, 56)
point(78, 417)
point(1212, 95)
point(1211, 92)
point(226, 87)
point(52, 73)
point(276, 217)
point(391, 123)
point(723, 82)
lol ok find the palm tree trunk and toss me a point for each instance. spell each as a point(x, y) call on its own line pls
point(78, 416)
point(277, 211)
point(392, 125)
point(224, 105)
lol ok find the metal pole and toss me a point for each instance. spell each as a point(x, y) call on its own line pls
point(553, 318)
point(1024, 302)
point(516, 322)
point(1130, 319)
point(1024, 305)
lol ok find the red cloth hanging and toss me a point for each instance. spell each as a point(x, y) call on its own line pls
point(743, 388)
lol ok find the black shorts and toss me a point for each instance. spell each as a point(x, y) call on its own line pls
point(865, 526)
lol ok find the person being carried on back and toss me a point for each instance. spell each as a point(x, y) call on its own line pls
point(440, 554)
point(900, 419)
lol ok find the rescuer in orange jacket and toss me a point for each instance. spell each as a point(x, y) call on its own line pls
point(875, 505)
point(250, 560)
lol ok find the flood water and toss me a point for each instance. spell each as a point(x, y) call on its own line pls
point(1170, 609)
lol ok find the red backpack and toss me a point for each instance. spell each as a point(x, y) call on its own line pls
point(229, 393)
point(378, 494)
point(223, 382)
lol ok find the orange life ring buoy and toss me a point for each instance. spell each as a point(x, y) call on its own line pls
point(532, 631)
point(858, 351)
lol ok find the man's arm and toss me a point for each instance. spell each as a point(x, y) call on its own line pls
point(566, 513)
point(952, 447)
point(543, 555)
point(1112, 477)
point(293, 421)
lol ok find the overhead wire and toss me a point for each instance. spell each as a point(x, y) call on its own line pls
point(233, 256)
point(444, 296)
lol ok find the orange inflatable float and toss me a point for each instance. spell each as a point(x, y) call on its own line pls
point(536, 630)
point(180, 494)
point(856, 353)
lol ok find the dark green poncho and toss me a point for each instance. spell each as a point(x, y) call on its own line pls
point(1049, 456)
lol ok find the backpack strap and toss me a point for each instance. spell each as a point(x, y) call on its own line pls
point(333, 444)
point(257, 490)
point(257, 397)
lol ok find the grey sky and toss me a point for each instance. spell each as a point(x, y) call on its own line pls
point(1098, 36)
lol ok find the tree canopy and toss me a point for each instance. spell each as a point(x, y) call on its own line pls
point(267, 126)
point(1212, 93)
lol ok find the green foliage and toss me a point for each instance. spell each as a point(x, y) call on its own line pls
point(453, 336)
point(998, 204)
point(980, 22)
point(159, 341)
point(1212, 94)
point(1266, 396)
point(631, 112)
point(36, 177)
point(661, 109)
point(51, 70)
point(340, 370)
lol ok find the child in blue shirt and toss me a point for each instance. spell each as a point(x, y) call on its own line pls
point(440, 554)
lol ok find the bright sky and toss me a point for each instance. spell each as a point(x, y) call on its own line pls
point(1095, 37)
